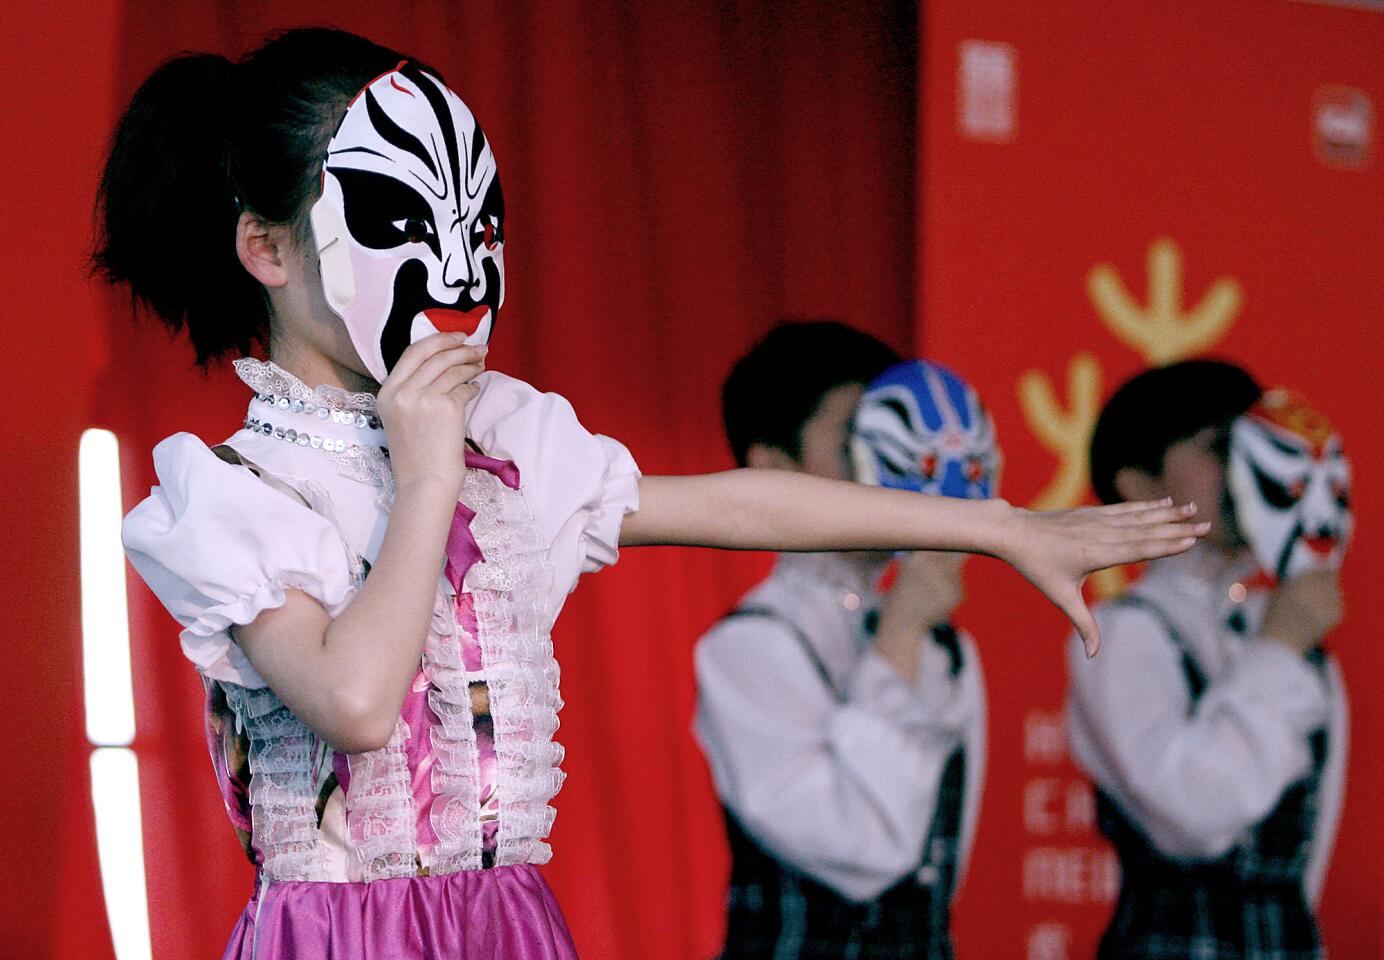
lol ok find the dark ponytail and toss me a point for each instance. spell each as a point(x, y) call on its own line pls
point(203, 139)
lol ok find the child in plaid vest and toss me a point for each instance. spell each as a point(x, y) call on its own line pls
point(1212, 723)
point(844, 726)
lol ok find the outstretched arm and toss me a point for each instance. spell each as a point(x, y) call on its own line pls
point(783, 510)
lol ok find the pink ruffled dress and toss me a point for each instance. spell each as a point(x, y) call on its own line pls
point(429, 846)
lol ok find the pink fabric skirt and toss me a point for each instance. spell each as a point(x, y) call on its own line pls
point(504, 912)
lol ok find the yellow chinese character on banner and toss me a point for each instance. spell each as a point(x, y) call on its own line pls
point(1161, 331)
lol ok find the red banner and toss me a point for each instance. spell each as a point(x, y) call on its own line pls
point(1107, 187)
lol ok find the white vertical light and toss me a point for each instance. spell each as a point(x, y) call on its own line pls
point(110, 708)
point(120, 846)
point(109, 690)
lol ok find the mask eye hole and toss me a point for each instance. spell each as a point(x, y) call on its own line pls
point(489, 233)
point(927, 463)
point(414, 229)
point(975, 470)
point(1341, 493)
point(1274, 493)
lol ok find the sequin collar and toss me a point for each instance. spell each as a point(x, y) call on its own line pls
point(343, 425)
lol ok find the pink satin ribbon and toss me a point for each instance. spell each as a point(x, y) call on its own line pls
point(462, 549)
point(462, 552)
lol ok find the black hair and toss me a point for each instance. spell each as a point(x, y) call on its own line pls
point(205, 138)
point(1157, 408)
point(777, 387)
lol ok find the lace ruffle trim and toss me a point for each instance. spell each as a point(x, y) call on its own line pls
point(517, 654)
point(455, 811)
point(282, 790)
point(262, 376)
point(522, 676)
point(365, 464)
point(379, 812)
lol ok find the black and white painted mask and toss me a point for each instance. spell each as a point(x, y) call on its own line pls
point(1290, 484)
point(410, 224)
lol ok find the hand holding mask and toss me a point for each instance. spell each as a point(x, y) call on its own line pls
point(1289, 482)
point(410, 224)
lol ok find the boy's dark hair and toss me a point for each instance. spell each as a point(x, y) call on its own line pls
point(776, 388)
point(1157, 408)
point(205, 138)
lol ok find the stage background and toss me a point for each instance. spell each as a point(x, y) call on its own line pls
point(679, 176)
point(1105, 186)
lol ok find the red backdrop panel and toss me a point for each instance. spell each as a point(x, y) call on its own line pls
point(1181, 147)
point(54, 85)
point(677, 178)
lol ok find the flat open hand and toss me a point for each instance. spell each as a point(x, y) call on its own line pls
point(1056, 550)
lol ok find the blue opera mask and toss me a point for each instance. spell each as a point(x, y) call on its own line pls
point(920, 427)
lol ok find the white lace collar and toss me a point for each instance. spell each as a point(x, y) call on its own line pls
point(265, 377)
point(323, 421)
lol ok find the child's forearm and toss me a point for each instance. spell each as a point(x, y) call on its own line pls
point(347, 677)
point(782, 510)
point(897, 642)
point(377, 641)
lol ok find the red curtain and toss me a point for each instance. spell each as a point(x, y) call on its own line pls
point(678, 176)
point(53, 86)
point(1213, 159)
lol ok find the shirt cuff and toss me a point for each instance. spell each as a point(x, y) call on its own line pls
point(1270, 672)
point(876, 687)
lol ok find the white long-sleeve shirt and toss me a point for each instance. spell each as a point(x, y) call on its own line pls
point(841, 789)
point(1196, 780)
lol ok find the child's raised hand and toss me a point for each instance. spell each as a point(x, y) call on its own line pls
point(927, 589)
point(1303, 610)
point(1057, 549)
point(423, 408)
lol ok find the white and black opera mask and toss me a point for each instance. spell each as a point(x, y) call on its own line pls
point(410, 224)
point(1289, 482)
point(920, 427)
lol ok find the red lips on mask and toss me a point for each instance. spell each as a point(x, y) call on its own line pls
point(1321, 546)
point(457, 321)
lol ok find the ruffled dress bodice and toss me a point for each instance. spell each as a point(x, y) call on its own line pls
point(299, 499)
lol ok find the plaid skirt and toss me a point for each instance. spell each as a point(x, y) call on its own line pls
point(1249, 905)
point(1213, 916)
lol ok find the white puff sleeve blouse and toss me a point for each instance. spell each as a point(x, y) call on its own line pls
point(218, 546)
point(579, 485)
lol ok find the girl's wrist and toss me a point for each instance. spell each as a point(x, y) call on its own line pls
point(427, 488)
point(998, 527)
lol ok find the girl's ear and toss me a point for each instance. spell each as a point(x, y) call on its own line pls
point(763, 456)
point(1131, 483)
point(263, 249)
